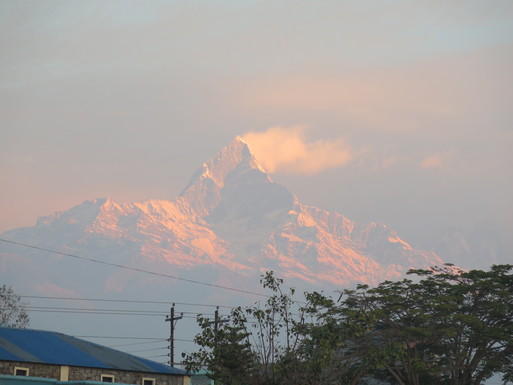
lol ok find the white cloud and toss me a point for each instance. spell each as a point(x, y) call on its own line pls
point(286, 150)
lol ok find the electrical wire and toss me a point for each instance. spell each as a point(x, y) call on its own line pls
point(148, 350)
point(148, 312)
point(134, 268)
point(162, 355)
point(94, 312)
point(138, 343)
point(155, 313)
point(109, 312)
point(124, 301)
point(150, 342)
point(124, 338)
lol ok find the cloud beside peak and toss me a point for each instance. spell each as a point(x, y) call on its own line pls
point(286, 150)
point(438, 161)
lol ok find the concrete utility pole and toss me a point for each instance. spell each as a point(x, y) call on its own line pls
point(172, 320)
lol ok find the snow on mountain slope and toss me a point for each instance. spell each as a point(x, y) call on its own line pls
point(230, 218)
point(203, 192)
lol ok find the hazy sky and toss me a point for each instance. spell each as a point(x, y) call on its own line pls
point(392, 111)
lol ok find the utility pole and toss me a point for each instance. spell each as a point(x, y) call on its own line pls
point(172, 321)
point(217, 321)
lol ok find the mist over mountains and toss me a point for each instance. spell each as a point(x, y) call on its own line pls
point(231, 222)
point(207, 247)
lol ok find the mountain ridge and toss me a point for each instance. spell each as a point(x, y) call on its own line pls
point(233, 218)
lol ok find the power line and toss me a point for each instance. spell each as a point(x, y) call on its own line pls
point(110, 311)
point(149, 312)
point(182, 340)
point(193, 316)
point(134, 268)
point(124, 301)
point(124, 338)
point(94, 312)
point(149, 342)
point(70, 311)
point(157, 312)
point(162, 355)
point(147, 350)
point(50, 309)
point(139, 343)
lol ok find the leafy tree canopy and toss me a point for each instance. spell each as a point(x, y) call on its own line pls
point(450, 327)
point(444, 326)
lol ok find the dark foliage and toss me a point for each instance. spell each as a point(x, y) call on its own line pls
point(12, 310)
point(445, 327)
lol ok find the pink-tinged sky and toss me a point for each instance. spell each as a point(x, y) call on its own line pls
point(395, 111)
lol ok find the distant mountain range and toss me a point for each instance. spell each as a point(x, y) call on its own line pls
point(475, 246)
point(230, 224)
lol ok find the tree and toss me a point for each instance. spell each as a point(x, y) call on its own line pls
point(257, 346)
point(451, 327)
point(225, 350)
point(445, 327)
point(12, 310)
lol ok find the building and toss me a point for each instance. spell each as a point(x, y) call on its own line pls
point(62, 358)
point(201, 378)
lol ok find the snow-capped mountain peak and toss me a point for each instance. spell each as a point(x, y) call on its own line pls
point(231, 217)
point(203, 190)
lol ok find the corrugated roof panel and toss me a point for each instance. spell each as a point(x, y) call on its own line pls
point(7, 355)
point(110, 358)
point(28, 345)
point(7, 348)
point(48, 348)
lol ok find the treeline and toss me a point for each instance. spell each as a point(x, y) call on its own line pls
point(445, 326)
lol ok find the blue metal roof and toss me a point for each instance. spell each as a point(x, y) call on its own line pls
point(38, 346)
